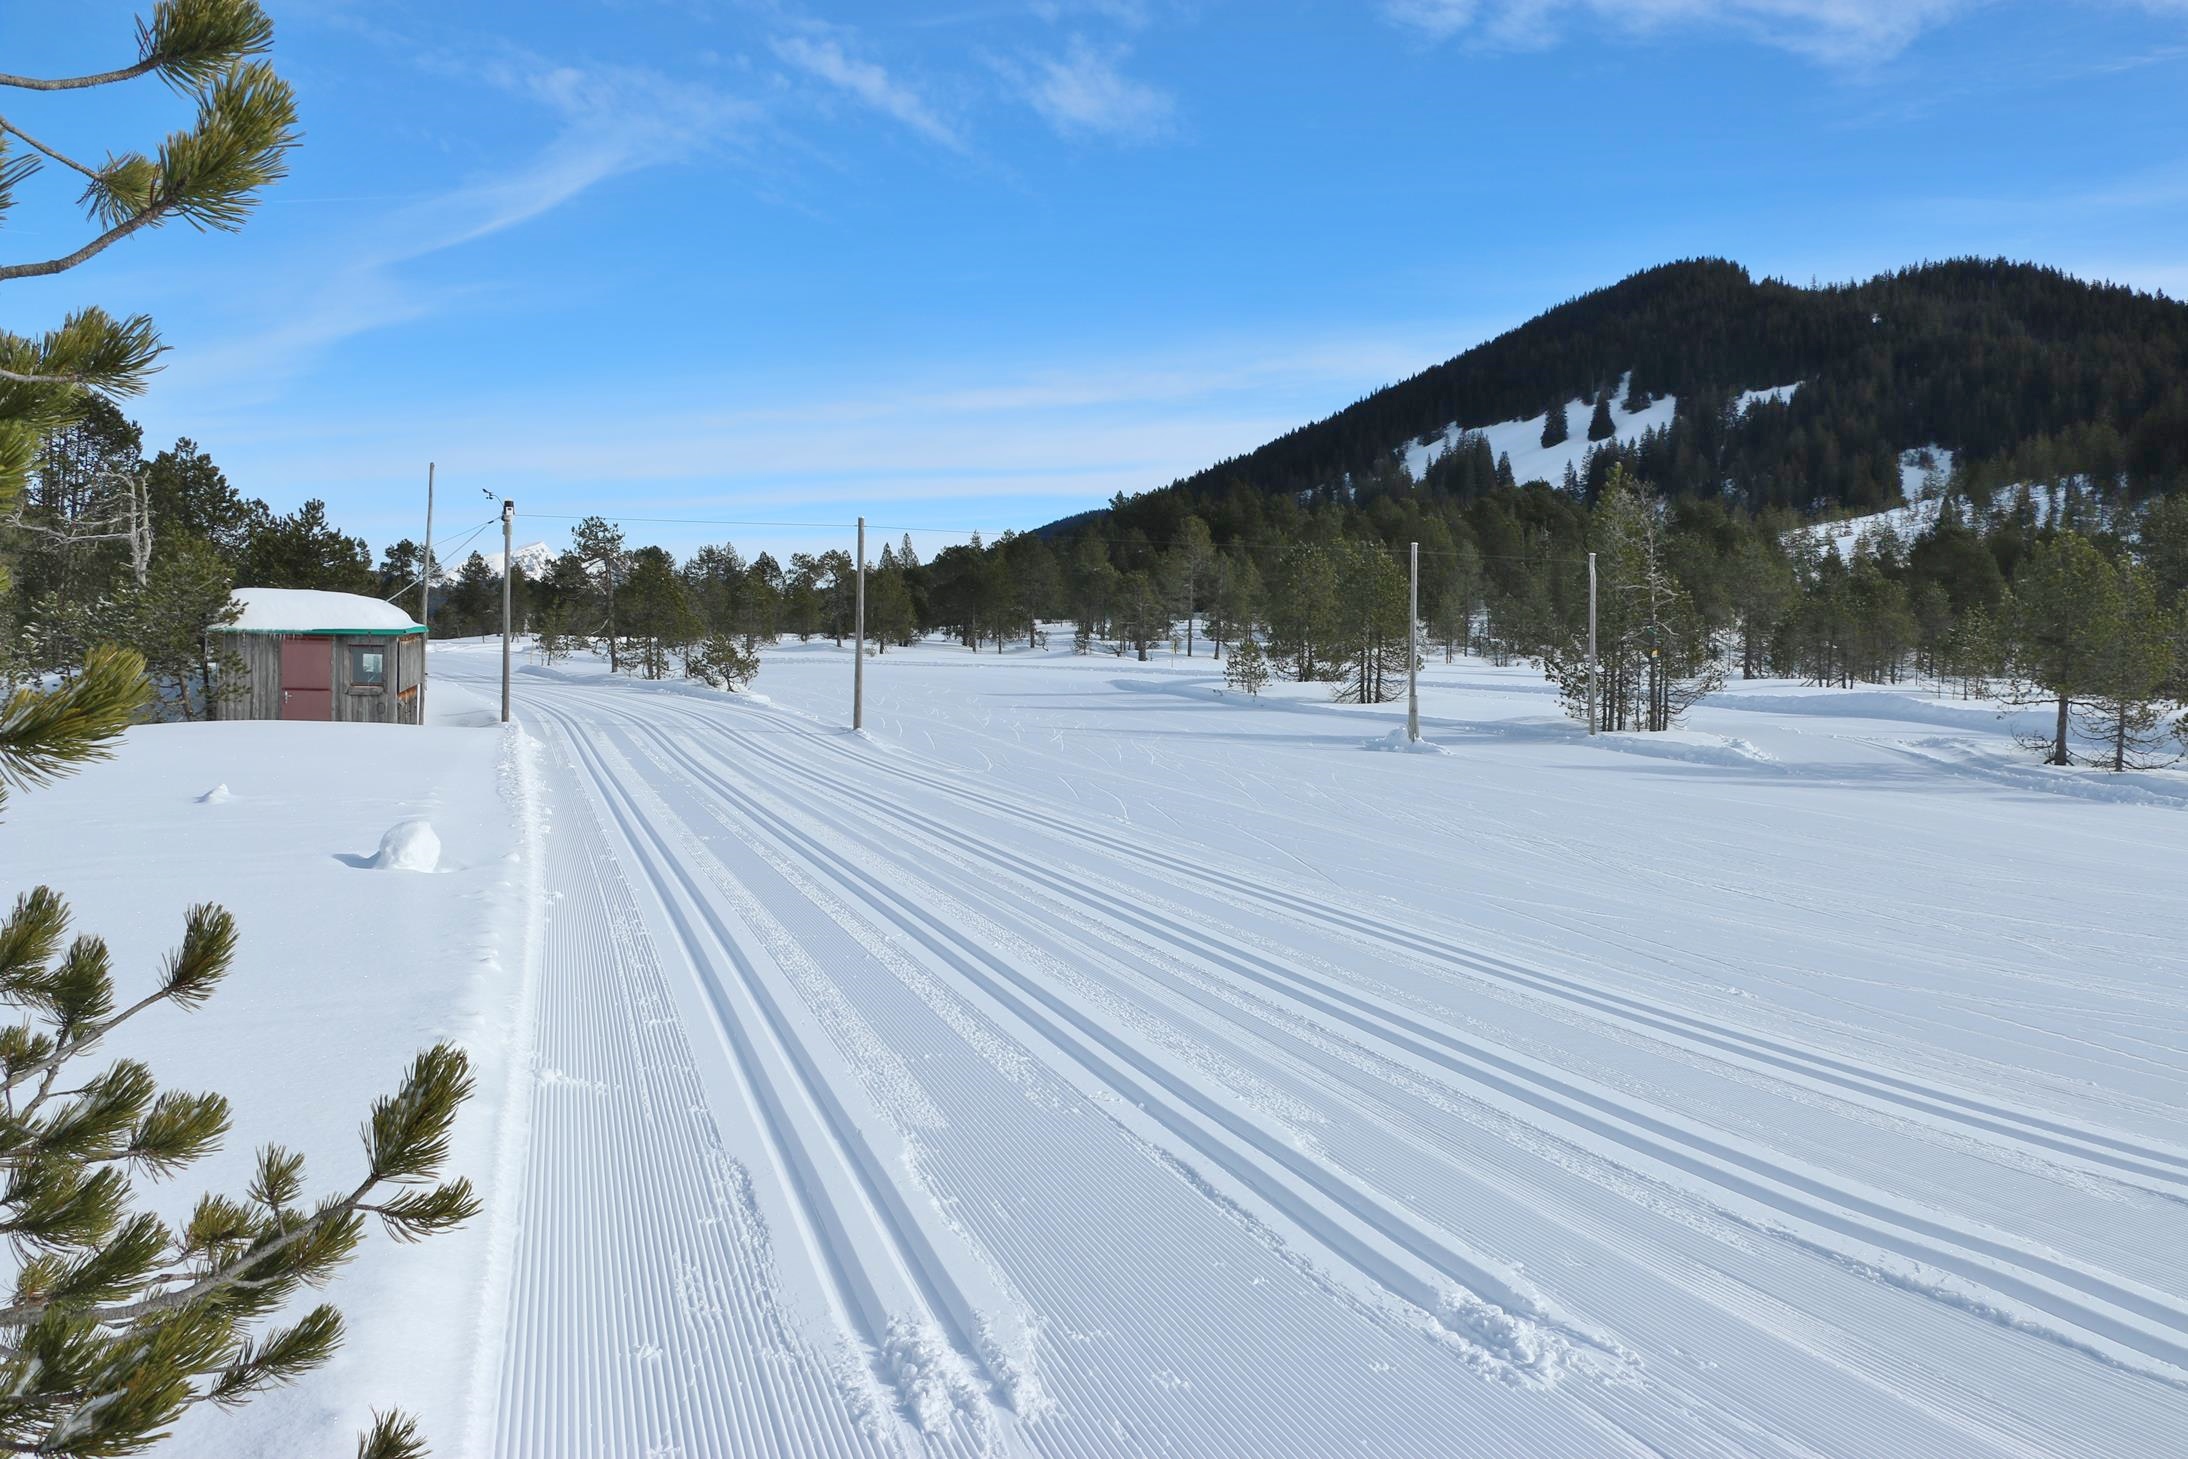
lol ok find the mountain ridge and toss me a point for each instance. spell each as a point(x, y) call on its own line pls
point(1986, 358)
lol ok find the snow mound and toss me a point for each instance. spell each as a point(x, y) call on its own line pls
point(1690, 746)
point(1530, 1353)
point(1396, 743)
point(409, 846)
point(218, 795)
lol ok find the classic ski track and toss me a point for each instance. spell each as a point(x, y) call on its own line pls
point(2144, 1163)
point(2122, 1321)
point(841, 1180)
point(607, 1271)
point(1397, 1250)
point(1612, 1423)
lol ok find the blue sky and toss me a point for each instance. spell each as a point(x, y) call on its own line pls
point(981, 263)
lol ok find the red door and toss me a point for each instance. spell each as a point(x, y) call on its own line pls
point(307, 678)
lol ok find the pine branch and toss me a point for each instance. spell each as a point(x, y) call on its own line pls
point(393, 1435)
point(187, 43)
point(30, 163)
point(45, 734)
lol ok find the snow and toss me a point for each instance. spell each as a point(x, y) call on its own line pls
point(306, 610)
point(1533, 461)
point(533, 559)
point(341, 976)
point(409, 845)
point(1916, 465)
point(1774, 395)
point(1082, 1061)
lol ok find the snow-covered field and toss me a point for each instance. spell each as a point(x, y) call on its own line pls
point(1084, 1061)
point(351, 959)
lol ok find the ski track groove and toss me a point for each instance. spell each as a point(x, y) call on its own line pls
point(2117, 1313)
point(1253, 1037)
point(566, 1381)
point(832, 1170)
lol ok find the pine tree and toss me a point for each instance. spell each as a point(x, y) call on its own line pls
point(2064, 616)
point(1303, 614)
point(174, 621)
point(1457, 596)
point(475, 597)
point(1193, 555)
point(1093, 588)
point(1143, 617)
point(1554, 427)
point(599, 546)
point(1234, 607)
point(304, 550)
point(2130, 710)
point(658, 617)
point(1248, 669)
point(1653, 653)
point(1371, 617)
point(1600, 425)
point(1972, 653)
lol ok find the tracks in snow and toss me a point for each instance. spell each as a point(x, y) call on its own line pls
point(825, 1271)
point(889, 1278)
point(1988, 1272)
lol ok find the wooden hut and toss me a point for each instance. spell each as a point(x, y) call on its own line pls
point(325, 656)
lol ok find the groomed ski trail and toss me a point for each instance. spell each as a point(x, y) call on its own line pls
point(982, 1126)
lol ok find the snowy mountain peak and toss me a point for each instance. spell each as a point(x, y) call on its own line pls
point(533, 559)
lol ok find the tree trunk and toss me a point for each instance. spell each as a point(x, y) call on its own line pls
point(2058, 744)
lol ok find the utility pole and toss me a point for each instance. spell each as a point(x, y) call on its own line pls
point(1594, 713)
point(508, 588)
point(1413, 655)
point(858, 641)
point(425, 589)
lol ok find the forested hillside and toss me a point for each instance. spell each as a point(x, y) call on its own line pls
point(2021, 372)
point(2039, 426)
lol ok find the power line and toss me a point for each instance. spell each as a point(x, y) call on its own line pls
point(440, 556)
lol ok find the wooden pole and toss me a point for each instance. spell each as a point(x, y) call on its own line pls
point(858, 657)
point(1413, 654)
point(425, 590)
point(508, 589)
point(1594, 713)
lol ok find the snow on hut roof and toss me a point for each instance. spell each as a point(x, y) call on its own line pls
point(308, 610)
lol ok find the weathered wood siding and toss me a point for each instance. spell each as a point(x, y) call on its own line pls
point(396, 702)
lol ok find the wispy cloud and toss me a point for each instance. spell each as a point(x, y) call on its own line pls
point(606, 122)
point(1835, 31)
point(1084, 95)
point(824, 57)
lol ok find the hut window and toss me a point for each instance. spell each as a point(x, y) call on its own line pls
point(367, 665)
